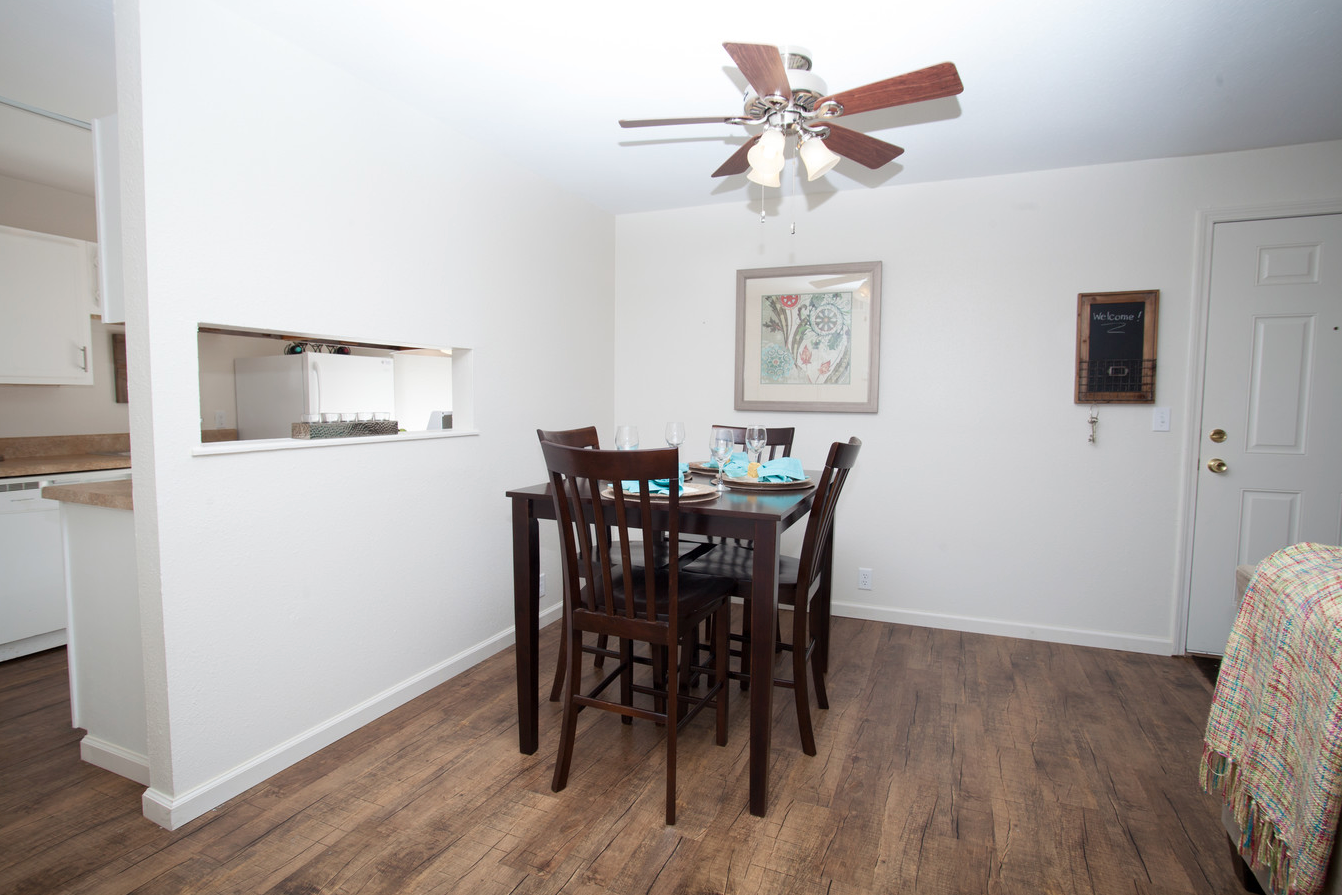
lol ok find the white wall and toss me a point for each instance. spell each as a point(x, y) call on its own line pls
point(46, 209)
point(977, 501)
point(289, 596)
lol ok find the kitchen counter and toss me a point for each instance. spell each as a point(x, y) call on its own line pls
point(53, 454)
point(104, 654)
point(113, 495)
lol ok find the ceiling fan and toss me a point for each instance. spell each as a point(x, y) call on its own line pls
point(791, 101)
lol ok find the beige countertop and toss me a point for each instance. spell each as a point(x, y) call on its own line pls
point(59, 463)
point(113, 495)
point(50, 454)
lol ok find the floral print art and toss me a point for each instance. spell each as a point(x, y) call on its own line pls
point(806, 339)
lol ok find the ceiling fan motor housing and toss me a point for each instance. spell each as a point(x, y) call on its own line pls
point(807, 87)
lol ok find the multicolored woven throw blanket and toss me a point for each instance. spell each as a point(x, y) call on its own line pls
point(1273, 747)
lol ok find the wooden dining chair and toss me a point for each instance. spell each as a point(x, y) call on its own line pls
point(800, 586)
point(584, 437)
point(606, 592)
point(778, 441)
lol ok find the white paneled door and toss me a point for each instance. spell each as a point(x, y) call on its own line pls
point(1270, 451)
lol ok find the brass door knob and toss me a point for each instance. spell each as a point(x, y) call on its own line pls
point(1217, 435)
point(1216, 464)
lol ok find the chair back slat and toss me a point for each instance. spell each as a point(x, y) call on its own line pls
point(585, 437)
point(589, 513)
point(820, 524)
point(778, 441)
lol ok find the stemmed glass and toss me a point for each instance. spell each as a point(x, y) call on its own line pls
point(720, 444)
point(756, 439)
point(626, 438)
point(675, 435)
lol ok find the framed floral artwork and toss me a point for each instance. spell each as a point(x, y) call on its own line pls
point(808, 338)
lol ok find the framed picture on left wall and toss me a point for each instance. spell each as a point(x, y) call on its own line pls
point(809, 338)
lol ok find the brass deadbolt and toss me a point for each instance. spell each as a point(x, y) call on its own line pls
point(1217, 465)
point(1217, 435)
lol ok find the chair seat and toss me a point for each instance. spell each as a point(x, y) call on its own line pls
point(738, 563)
point(698, 594)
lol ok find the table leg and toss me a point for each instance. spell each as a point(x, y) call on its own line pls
point(763, 613)
point(526, 620)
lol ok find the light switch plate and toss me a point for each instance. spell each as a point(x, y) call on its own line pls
point(1160, 419)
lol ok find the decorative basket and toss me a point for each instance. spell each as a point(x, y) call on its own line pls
point(345, 430)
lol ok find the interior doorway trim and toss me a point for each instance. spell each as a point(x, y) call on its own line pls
point(1207, 219)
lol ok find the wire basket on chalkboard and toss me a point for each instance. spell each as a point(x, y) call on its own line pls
point(1110, 379)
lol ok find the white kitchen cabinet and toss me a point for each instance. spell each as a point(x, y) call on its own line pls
point(45, 324)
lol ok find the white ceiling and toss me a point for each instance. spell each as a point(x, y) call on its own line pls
point(1048, 83)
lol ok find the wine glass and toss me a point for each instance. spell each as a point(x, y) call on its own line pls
point(675, 435)
point(756, 439)
point(626, 438)
point(720, 444)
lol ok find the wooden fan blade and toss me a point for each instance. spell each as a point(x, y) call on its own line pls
point(737, 164)
point(933, 82)
point(763, 68)
point(861, 148)
point(658, 122)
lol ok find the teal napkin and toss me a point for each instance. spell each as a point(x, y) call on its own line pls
point(656, 487)
point(782, 469)
point(738, 457)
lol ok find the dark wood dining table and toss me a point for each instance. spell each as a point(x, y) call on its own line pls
point(748, 515)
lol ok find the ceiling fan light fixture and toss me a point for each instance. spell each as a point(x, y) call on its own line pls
point(765, 177)
point(818, 157)
point(767, 153)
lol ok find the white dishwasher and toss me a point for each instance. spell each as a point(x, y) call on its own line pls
point(33, 608)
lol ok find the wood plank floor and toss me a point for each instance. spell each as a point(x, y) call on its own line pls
point(948, 763)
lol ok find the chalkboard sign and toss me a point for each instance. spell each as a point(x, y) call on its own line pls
point(1116, 347)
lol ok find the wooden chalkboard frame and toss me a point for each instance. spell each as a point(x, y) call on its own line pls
point(1115, 361)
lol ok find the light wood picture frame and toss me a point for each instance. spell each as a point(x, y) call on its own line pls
point(809, 338)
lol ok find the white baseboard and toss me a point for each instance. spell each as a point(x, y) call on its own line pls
point(35, 644)
point(173, 810)
point(111, 757)
point(1133, 643)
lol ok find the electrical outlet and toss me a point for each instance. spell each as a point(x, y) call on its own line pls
point(542, 584)
point(864, 579)
point(219, 419)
